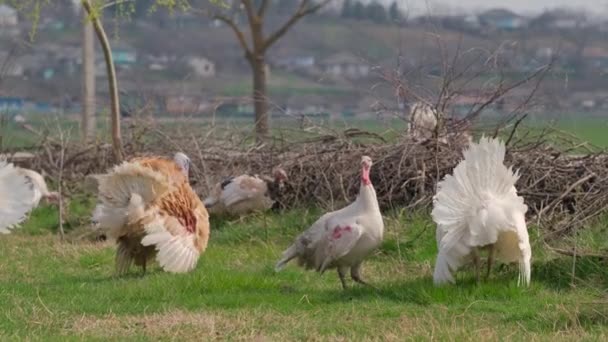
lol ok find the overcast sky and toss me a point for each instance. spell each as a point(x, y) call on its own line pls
point(595, 7)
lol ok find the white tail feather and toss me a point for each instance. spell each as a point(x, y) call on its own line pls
point(442, 273)
point(289, 254)
point(176, 253)
point(16, 193)
point(124, 193)
point(475, 206)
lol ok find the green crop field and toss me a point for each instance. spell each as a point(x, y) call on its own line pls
point(592, 130)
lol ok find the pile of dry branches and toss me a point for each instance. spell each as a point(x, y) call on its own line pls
point(563, 190)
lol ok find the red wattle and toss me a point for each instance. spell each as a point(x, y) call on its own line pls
point(365, 176)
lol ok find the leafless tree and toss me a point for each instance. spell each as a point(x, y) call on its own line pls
point(94, 16)
point(256, 47)
point(88, 80)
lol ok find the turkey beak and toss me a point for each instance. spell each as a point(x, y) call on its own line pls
point(280, 177)
point(366, 164)
point(52, 198)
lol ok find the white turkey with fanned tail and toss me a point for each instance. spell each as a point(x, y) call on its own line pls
point(478, 207)
point(16, 193)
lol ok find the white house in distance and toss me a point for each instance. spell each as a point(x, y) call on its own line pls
point(8, 16)
point(201, 66)
point(8, 21)
point(345, 64)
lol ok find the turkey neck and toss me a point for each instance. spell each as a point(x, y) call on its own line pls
point(367, 194)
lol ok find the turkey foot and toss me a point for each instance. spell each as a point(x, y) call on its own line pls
point(342, 275)
point(355, 273)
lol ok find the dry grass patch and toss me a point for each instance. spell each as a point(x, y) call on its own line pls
point(175, 324)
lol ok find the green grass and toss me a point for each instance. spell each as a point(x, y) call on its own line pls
point(592, 130)
point(65, 291)
point(281, 84)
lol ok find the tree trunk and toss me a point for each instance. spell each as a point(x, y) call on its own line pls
point(112, 82)
point(260, 100)
point(88, 123)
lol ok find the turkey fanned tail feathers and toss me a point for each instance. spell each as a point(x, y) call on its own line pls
point(478, 206)
point(15, 194)
point(149, 212)
point(116, 192)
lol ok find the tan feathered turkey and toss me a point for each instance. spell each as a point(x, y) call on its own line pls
point(423, 121)
point(341, 239)
point(178, 170)
point(246, 193)
point(148, 207)
point(477, 207)
point(16, 192)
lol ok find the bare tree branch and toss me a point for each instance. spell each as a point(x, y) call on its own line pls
point(255, 49)
point(113, 3)
point(303, 10)
point(239, 34)
point(263, 7)
point(251, 14)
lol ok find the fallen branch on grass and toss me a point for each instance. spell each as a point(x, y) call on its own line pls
point(579, 253)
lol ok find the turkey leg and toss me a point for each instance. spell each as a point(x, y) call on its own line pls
point(342, 274)
point(476, 263)
point(355, 273)
point(491, 253)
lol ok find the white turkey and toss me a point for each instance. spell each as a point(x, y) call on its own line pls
point(39, 187)
point(344, 238)
point(246, 193)
point(15, 196)
point(478, 208)
point(148, 207)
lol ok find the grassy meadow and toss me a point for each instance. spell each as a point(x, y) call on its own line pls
point(53, 290)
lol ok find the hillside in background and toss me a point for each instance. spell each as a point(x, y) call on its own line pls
point(332, 62)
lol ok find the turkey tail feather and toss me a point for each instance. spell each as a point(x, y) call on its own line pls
point(15, 197)
point(123, 258)
point(125, 192)
point(289, 254)
point(479, 178)
point(474, 205)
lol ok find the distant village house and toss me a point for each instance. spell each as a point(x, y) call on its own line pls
point(201, 66)
point(8, 21)
point(8, 16)
point(346, 65)
point(295, 63)
point(558, 19)
point(124, 55)
point(501, 19)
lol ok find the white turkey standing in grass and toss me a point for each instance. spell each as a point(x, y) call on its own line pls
point(344, 238)
point(246, 193)
point(16, 193)
point(148, 208)
point(478, 207)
